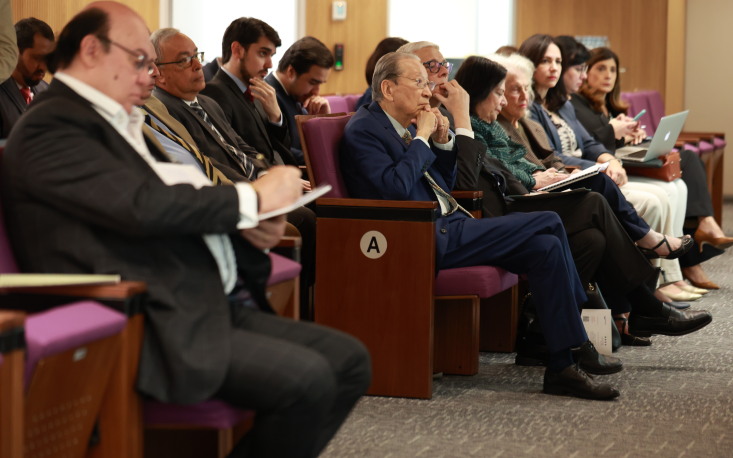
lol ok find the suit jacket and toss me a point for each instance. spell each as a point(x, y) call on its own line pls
point(538, 148)
point(376, 163)
point(79, 199)
point(157, 109)
point(596, 123)
point(12, 104)
point(207, 140)
point(289, 107)
point(249, 120)
point(540, 116)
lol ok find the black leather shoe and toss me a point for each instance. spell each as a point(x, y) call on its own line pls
point(652, 253)
point(670, 322)
point(593, 362)
point(572, 381)
point(635, 341)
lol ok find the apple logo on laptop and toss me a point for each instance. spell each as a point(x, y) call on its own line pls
point(666, 137)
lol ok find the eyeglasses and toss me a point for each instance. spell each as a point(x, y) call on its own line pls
point(141, 59)
point(421, 83)
point(186, 61)
point(433, 66)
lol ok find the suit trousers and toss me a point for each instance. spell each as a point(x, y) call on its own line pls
point(301, 378)
point(602, 249)
point(530, 243)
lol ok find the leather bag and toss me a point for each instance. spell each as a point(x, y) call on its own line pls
point(666, 167)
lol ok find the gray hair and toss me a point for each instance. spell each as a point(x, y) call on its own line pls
point(388, 68)
point(159, 36)
point(415, 46)
point(517, 64)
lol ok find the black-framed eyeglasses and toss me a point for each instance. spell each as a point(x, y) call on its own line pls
point(187, 61)
point(141, 59)
point(421, 83)
point(433, 66)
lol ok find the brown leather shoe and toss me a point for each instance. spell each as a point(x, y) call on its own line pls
point(572, 381)
point(703, 238)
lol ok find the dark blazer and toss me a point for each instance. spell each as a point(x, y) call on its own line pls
point(377, 164)
point(249, 120)
point(289, 107)
point(590, 154)
point(596, 123)
point(210, 69)
point(79, 199)
point(207, 140)
point(12, 104)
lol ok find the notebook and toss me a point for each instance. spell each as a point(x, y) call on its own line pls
point(575, 177)
point(662, 143)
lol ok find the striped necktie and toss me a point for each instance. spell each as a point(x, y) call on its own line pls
point(452, 204)
point(214, 174)
point(244, 161)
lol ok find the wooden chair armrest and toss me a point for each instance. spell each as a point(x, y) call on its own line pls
point(472, 201)
point(125, 296)
point(380, 210)
point(687, 136)
point(711, 134)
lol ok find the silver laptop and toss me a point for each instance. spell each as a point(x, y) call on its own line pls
point(662, 143)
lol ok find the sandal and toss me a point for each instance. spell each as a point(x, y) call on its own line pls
point(651, 253)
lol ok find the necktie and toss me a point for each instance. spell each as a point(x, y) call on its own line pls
point(244, 161)
point(248, 95)
point(452, 204)
point(210, 170)
point(26, 93)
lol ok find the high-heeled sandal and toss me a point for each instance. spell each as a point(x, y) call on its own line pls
point(628, 339)
point(651, 253)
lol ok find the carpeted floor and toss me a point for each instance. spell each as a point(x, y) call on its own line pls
point(676, 401)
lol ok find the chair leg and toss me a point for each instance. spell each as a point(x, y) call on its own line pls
point(499, 320)
point(225, 442)
point(456, 335)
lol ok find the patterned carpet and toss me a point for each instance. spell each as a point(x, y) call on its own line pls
point(676, 401)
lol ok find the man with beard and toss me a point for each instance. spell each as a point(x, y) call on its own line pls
point(249, 103)
point(35, 42)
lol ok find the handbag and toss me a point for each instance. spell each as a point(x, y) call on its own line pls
point(666, 167)
point(596, 301)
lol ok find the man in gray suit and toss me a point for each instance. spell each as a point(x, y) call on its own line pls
point(35, 41)
point(83, 191)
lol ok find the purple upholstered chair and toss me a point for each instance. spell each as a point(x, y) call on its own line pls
point(338, 104)
point(214, 414)
point(351, 100)
point(413, 322)
point(71, 352)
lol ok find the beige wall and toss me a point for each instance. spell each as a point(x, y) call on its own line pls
point(709, 73)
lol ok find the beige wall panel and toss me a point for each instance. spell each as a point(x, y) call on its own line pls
point(58, 12)
point(637, 31)
point(364, 27)
point(709, 73)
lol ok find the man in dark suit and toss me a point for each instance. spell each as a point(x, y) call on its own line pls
point(35, 41)
point(384, 157)
point(178, 87)
point(300, 73)
point(83, 192)
point(249, 103)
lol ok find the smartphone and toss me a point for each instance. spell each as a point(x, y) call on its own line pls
point(641, 113)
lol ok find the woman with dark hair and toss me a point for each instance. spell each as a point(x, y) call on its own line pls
point(389, 44)
point(622, 272)
point(553, 110)
point(598, 106)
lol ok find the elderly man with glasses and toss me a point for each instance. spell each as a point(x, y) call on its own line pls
point(400, 148)
point(178, 85)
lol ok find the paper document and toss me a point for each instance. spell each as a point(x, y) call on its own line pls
point(572, 178)
point(307, 197)
point(597, 323)
point(20, 280)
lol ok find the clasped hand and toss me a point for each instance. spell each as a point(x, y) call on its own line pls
point(430, 123)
